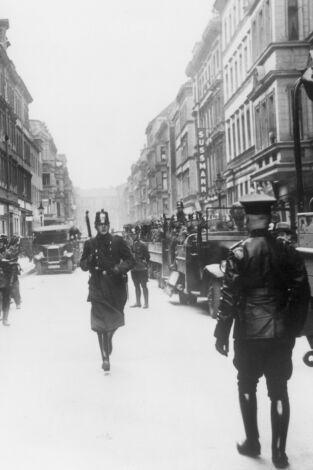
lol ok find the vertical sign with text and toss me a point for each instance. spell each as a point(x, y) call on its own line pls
point(202, 163)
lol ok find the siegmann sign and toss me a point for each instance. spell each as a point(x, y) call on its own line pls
point(202, 164)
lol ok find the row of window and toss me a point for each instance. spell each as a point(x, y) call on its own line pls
point(238, 132)
point(35, 163)
point(183, 185)
point(235, 71)
point(234, 15)
point(212, 114)
point(19, 180)
point(13, 97)
point(210, 70)
point(16, 140)
point(265, 122)
point(261, 29)
point(261, 24)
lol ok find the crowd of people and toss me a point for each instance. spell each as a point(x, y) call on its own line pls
point(9, 275)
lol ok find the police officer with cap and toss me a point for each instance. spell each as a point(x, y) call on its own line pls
point(265, 292)
point(139, 273)
point(108, 259)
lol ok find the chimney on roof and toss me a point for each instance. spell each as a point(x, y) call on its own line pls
point(4, 26)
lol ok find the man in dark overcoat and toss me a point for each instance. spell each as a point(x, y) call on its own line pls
point(108, 259)
point(139, 273)
point(265, 292)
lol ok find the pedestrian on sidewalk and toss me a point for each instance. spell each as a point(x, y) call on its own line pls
point(108, 259)
point(265, 292)
point(13, 251)
point(139, 273)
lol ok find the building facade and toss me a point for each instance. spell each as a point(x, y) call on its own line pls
point(57, 203)
point(265, 46)
point(185, 170)
point(17, 148)
point(205, 70)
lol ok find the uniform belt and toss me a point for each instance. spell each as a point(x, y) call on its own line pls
point(258, 291)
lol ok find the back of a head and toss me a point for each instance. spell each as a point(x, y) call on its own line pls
point(257, 221)
point(258, 210)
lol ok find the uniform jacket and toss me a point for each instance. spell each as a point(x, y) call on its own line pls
point(141, 255)
point(265, 289)
point(108, 259)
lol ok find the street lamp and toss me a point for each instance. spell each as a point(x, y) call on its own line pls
point(306, 80)
point(41, 212)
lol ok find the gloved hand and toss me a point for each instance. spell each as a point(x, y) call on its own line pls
point(222, 346)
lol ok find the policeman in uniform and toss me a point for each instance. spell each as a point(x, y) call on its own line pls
point(266, 293)
point(108, 259)
point(139, 272)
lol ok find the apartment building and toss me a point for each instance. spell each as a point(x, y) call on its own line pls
point(205, 70)
point(17, 148)
point(57, 196)
point(157, 154)
point(184, 169)
point(265, 46)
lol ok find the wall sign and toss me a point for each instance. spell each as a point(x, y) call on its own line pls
point(202, 163)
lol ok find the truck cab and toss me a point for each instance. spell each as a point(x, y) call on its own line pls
point(53, 249)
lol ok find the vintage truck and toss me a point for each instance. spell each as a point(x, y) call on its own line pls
point(199, 271)
point(159, 261)
point(54, 250)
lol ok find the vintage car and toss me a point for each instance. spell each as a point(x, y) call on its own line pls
point(54, 249)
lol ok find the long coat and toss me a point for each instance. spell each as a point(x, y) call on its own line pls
point(108, 259)
point(265, 290)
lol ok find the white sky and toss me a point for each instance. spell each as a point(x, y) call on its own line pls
point(100, 70)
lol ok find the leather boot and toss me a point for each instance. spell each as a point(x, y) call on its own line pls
point(146, 297)
point(5, 317)
point(280, 413)
point(248, 406)
point(105, 350)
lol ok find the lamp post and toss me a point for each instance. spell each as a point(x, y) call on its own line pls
point(306, 80)
point(41, 213)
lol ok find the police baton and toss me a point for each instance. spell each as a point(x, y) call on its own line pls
point(88, 224)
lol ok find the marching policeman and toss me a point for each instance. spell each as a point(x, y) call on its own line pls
point(108, 259)
point(266, 293)
point(139, 272)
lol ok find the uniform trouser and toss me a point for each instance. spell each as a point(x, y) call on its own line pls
point(269, 357)
point(5, 302)
point(140, 279)
point(273, 359)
